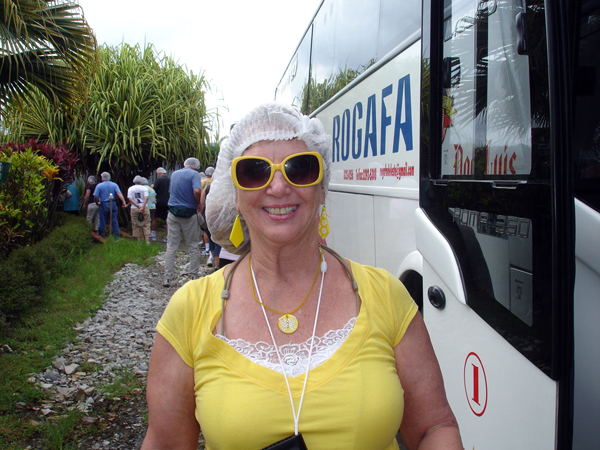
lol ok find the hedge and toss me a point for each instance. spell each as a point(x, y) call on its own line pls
point(25, 274)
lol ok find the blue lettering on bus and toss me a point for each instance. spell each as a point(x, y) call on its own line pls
point(335, 136)
point(371, 126)
point(346, 135)
point(347, 130)
point(406, 126)
point(386, 120)
point(356, 134)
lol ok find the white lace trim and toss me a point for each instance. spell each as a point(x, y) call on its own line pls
point(294, 356)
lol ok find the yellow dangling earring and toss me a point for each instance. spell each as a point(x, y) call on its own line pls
point(236, 237)
point(323, 224)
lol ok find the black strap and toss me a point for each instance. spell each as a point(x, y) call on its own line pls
point(225, 291)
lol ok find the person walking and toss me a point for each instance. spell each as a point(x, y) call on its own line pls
point(105, 196)
point(184, 201)
point(89, 204)
point(206, 242)
point(161, 187)
point(151, 207)
point(138, 196)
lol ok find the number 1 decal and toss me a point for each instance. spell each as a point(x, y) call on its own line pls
point(475, 384)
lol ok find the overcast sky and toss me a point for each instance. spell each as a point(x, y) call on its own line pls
point(242, 46)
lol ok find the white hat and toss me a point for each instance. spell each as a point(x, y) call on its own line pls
point(269, 122)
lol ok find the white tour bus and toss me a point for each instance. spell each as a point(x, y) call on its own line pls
point(466, 160)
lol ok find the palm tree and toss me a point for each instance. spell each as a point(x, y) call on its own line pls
point(47, 45)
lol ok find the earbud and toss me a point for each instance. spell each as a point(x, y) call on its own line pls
point(324, 266)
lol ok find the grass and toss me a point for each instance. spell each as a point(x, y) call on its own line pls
point(124, 385)
point(33, 344)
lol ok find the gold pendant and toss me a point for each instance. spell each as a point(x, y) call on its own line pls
point(288, 323)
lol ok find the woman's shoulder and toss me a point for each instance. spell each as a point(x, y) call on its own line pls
point(370, 273)
point(199, 294)
point(379, 282)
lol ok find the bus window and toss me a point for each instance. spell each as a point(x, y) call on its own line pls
point(587, 114)
point(344, 45)
point(398, 19)
point(345, 38)
point(487, 121)
point(292, 87)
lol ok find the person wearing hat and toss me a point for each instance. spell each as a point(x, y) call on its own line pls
point(208, 173)
point(184, 200)
point(105, 195)
point(140, 213)
point(291, 346)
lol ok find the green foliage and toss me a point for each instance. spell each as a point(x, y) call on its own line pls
point(43, 332)
point(23, 199)
point(144, 108)
point(316, 94)
point(59, 434)
point(25, 274)
point(46, 45)
point(126, 383)
point(33, 192)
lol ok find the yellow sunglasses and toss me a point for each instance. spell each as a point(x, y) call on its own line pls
point(251, 173)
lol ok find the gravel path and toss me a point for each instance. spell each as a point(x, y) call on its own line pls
point(116, 341)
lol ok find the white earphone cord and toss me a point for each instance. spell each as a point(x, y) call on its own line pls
point(296, 417)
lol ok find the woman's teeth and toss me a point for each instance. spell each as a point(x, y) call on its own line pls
point(281, 211)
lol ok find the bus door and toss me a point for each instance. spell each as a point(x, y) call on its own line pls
point(490, 222)
point(586, 163)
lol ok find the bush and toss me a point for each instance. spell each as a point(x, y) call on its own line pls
point(23, 200)
point(26, 273)
point(35, 187)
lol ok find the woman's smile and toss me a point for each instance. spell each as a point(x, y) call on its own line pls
point(281, 211)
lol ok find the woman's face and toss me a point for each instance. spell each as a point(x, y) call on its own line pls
point(280, 212)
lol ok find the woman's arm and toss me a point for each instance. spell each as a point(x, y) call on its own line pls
point(428, 421)
point(171, 404)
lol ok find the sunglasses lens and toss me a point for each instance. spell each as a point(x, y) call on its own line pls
point(303, 169)
point(252, 173)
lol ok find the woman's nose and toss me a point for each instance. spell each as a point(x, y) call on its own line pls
point(279, 184)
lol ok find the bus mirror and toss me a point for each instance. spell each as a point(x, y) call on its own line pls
point(521, 34)
point(450, 72)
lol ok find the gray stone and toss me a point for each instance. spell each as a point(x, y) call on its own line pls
point(118, 337)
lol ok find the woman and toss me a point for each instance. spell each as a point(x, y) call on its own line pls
point(246, 367)
point(138, 197)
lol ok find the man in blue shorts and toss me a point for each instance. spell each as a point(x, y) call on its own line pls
point(184, 201)
point(105, 194)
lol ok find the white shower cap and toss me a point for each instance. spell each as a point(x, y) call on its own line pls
point(269, 122)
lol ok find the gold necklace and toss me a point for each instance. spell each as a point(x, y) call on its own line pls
point(288, 323)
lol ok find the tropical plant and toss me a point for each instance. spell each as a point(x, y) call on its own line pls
point(46, 45)
point(23, 199)
point(143, 109)
point(35, 185)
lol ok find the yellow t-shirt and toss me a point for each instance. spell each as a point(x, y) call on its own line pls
point(353, 400)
